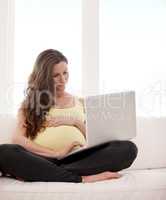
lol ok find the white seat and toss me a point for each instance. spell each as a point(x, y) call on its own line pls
point(144, 180)
point(134, 184)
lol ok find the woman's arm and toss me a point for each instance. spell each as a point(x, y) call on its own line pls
point(19, 137)
point(43, 151)
point(81, 126)
point(69, 121)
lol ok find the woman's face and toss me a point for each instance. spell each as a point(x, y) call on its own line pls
point(60, 76)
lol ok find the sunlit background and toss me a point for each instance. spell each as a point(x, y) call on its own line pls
point(132, 46)
point(44, 24)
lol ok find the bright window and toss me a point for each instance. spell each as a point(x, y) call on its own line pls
point(133, 51)
point(43, 24)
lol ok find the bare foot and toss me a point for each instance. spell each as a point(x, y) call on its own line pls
point(101, 176)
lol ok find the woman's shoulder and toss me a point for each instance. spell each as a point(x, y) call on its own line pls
point(81, 99)
point(21, 117)
point(77, 97)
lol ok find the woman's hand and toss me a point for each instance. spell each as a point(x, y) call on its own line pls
point(58, 121)
point(81, 126)
point(65, 150)
point(69, 121)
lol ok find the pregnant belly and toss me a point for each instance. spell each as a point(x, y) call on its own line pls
point(58, 137)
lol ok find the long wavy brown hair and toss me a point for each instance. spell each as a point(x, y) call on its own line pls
point(39, 95)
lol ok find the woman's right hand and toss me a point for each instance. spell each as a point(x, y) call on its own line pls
point(58, 121)
point(66, 150)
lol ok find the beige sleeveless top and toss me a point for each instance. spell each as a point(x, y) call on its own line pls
point(58, 137)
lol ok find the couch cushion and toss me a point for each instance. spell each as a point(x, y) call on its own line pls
point(151, 142)
point(135, 185)
point(7, 123)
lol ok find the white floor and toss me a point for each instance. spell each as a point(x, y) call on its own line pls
point(133, 185)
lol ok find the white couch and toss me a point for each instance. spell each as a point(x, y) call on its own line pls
point(144, 180)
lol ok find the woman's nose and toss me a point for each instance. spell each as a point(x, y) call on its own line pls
point(62, 79)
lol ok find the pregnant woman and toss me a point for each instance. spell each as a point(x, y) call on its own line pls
point(50, 124)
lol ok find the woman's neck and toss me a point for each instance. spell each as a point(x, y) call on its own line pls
point(64, 99)
point(60, 95)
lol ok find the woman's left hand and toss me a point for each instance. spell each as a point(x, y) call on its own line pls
point(69, 121)
point(58, 121)
point(80, 125)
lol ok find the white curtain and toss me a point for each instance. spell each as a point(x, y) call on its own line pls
point(6, 55)
point(121, 47)
point(133, 51)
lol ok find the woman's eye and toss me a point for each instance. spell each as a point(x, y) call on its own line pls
point(65, 72)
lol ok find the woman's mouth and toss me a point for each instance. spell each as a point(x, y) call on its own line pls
point(60, 86)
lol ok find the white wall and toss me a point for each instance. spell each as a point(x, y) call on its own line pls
point(6, 54)
point(90, 58)
point(90, 51)
point(90, 47)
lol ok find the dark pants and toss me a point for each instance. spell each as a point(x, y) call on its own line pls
point(113, 156)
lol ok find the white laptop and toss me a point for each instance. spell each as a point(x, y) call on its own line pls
point(109, 117)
